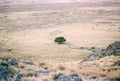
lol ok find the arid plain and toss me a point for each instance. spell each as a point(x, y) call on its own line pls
point(27, 33)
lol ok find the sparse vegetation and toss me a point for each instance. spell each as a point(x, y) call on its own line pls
point(22, 66)
point(10, 50)
point(94, 77)
point(60, 40)
point(45, 67)
point(114, 79)
point(61, 68)
point(30, 74)
point(72, 70)
point(42, 64)
point(92, 47)
point(11, 70)
point(57, 76)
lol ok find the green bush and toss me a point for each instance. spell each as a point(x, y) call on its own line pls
point(60, 40)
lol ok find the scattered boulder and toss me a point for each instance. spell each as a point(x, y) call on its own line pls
point(75, 77)
point(62, 77)
point(19, 77)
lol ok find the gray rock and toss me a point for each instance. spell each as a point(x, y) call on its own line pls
point(113, 49)
point(63, 78)
point(5, 70)
point(10, 61)
point(29, 63)
point(19, 77)
point(75, 77)
point(116, 63)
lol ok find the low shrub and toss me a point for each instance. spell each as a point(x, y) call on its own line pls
point(61, 68)
point(22, 66)
point(60, 40)
point(42, 64)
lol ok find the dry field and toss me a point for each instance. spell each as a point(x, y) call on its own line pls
point(28, 35)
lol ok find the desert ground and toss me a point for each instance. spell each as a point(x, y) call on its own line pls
point(28, 34)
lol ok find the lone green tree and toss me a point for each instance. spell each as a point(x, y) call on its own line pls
point(60, 40)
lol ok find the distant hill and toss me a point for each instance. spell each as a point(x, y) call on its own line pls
point(27, 2)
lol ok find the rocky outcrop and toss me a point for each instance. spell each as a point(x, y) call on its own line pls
point(13, 70)
point(10, 61)
point(7, 66)
point(112, 49)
